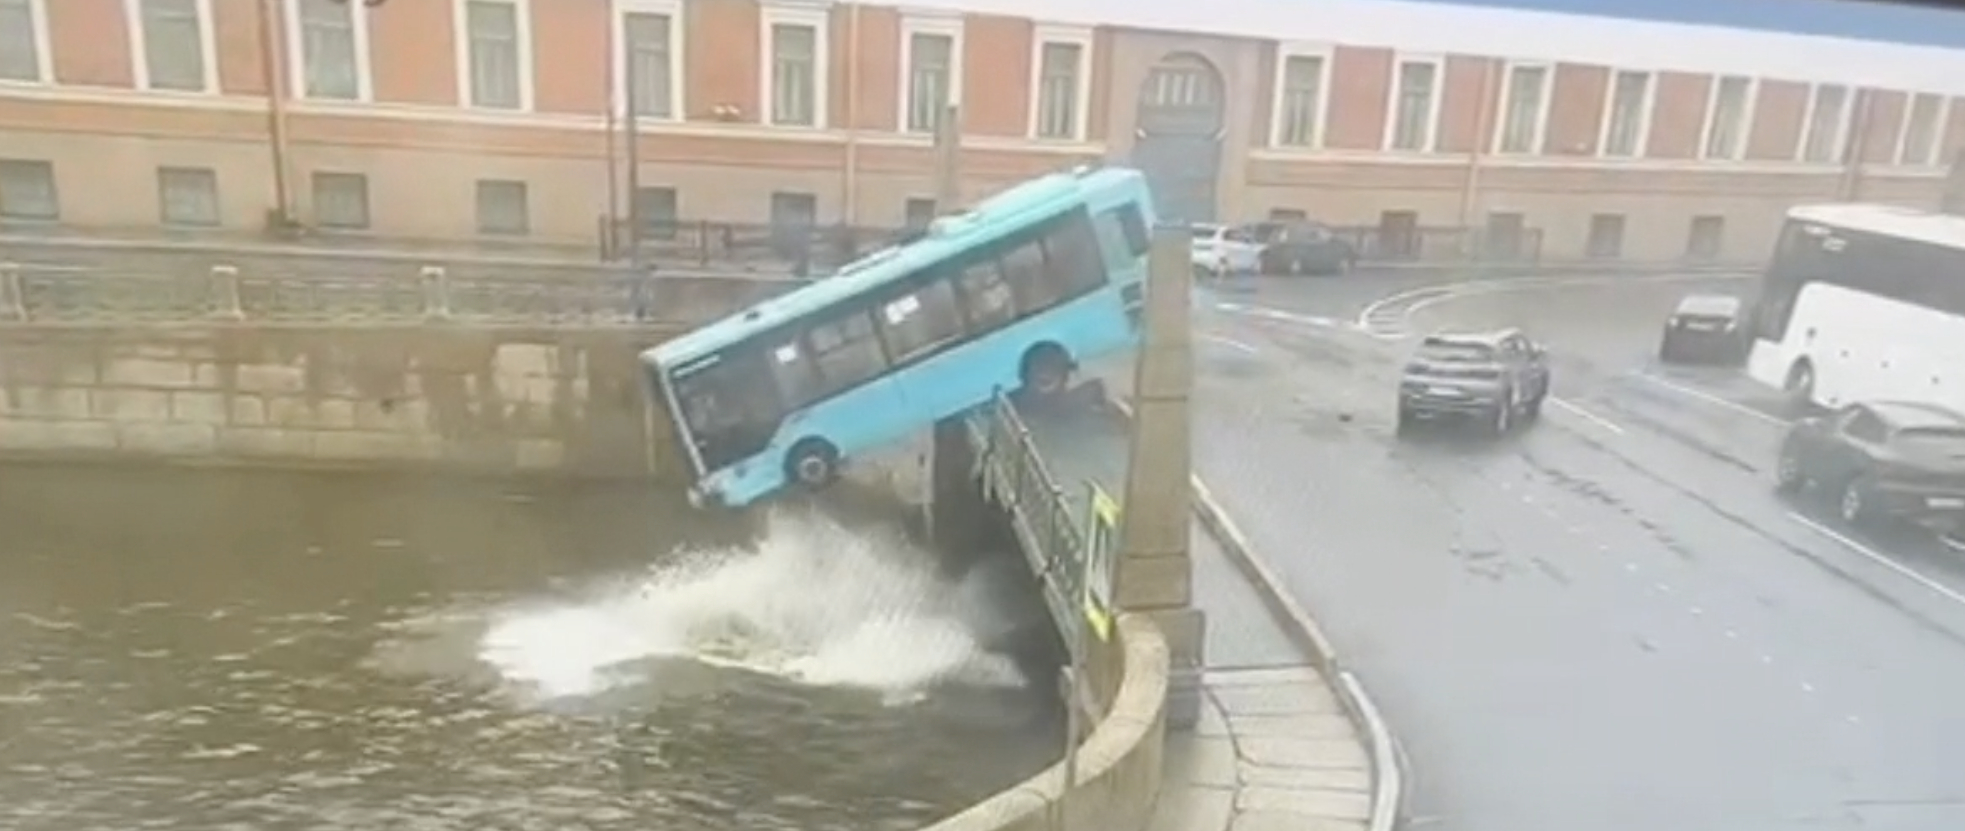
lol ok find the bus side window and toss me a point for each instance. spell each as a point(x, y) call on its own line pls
point(920, 321)
point(986, 295)
point(798, 378)
point(847, 352)
point(1071, 256)
point(1024, 268)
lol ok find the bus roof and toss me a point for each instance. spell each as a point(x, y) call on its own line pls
point(1006, 210)
point(1887, 220)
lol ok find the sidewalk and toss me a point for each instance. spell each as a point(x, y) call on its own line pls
point(1274, 748)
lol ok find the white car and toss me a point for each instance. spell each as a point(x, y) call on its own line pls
point(1219, 250)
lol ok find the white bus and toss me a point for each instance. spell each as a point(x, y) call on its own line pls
point(1863, 303)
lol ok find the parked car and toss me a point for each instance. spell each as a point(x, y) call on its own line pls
point(1882, 460)
point(1705, 328)
point(1301, 247)
point(1220, 250)
point(1494, 377)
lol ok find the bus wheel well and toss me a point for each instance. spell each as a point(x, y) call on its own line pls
point(812, 462)
point(1046, 368)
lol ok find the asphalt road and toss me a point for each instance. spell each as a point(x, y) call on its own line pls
point(1608, 620)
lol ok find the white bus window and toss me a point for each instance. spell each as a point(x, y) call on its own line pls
point(918, 323)
point(847, 353)
point(986, 295)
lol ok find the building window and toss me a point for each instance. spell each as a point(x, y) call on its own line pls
point(188, 196)
point(1706, 238)
point(797, 63)
point(932, 55)
point(171, 43)
point(1924, 121)
point(23, 41)
point(659, 210)
point(1506, 233)
point(1627, 118)
point(27, 191)
point(503, 208)
point(332, 43)
point(1524, 109)
point(918, 213)
point(1415, 105)
point(1300, 103)
point(1729, 115)
point(341, 201)
point(495, 62)
point(1061, 88)
point(1828, 124)
point(651, 87)
point(1606, 240)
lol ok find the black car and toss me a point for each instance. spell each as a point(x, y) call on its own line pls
point(1299, 247)
point(1495, 377)
point(1705, 327)
point(1882, 460)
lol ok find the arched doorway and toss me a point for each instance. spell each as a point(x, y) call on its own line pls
point(1181, 118)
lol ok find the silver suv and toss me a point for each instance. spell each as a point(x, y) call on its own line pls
point(1495, 378)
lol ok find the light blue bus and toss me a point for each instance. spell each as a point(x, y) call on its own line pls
point(1010, 295)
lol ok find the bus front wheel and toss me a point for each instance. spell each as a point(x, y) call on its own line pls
point(812, 464)
point(1800, 386)
point(1046, 370)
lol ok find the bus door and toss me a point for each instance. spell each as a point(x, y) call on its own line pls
point(921, 323)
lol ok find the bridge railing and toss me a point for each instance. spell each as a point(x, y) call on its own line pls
point(227, 293)
point(1015, 475)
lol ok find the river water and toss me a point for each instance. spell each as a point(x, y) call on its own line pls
point(227, 650)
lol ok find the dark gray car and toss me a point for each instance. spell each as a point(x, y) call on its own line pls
point(1302, 247)
point(1882, 460)
point(1495, 378)
point(1705, 327)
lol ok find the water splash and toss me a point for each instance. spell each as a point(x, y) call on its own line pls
point(812, 602)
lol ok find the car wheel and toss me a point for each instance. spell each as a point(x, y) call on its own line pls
point(1854, 506)
point(812, 464)
point(1405, 423)
point(1502, 419)
point(1666, 352)
point(1788, 476)
point(1533, 411)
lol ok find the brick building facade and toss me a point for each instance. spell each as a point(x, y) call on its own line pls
point(464, 120)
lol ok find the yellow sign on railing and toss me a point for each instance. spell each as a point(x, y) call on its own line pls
point(1101, 552)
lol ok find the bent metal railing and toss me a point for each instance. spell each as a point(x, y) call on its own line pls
point(226, 293)
point(1015, 476)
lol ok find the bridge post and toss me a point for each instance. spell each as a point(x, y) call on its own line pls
point(1155, 568)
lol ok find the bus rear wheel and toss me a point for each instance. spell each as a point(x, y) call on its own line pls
point(812, 464)
point(1046, 371)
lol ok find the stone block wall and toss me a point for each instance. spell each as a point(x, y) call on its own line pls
point(490, 399)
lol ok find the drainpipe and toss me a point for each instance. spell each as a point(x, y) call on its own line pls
point(273, 62)
point(850, 176)
point(1483, 133)
point(1850, 187)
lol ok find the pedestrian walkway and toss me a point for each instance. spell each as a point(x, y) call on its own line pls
point(1274, 748)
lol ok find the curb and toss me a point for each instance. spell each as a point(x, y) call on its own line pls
point(1388, 771)
point(1418, 296)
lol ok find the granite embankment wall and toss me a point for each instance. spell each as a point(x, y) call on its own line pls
point(494, 399)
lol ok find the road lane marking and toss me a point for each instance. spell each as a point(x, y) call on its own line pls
point(1877, 557)
point(1415, 299)
point(1278, 314)
point(1710, 398)
point(1593, 418)
point(1232, 343)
